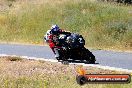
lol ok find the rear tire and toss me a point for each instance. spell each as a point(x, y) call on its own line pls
point(65, 62)
point(90, 57)
point(91, 61)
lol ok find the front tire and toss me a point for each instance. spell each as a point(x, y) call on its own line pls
point(63, 56)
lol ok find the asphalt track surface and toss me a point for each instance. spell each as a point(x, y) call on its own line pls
point(104, 58)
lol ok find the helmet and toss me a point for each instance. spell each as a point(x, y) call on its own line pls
point(54, 29)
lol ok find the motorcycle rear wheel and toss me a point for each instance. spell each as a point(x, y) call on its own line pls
point(90, 58)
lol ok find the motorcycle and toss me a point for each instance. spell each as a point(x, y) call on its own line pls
point(72, 48)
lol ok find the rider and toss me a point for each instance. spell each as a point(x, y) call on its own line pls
point(52, 38)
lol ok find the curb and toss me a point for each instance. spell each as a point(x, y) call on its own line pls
point(51, 60)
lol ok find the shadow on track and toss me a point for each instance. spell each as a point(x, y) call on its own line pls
point(75, 61)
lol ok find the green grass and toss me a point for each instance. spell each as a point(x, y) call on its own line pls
point(103, 25)
point(23, 82)
point(62, 81)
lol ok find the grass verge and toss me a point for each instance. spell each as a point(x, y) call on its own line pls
point(40, 74)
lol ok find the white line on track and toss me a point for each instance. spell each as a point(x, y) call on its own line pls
point(51, 60)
